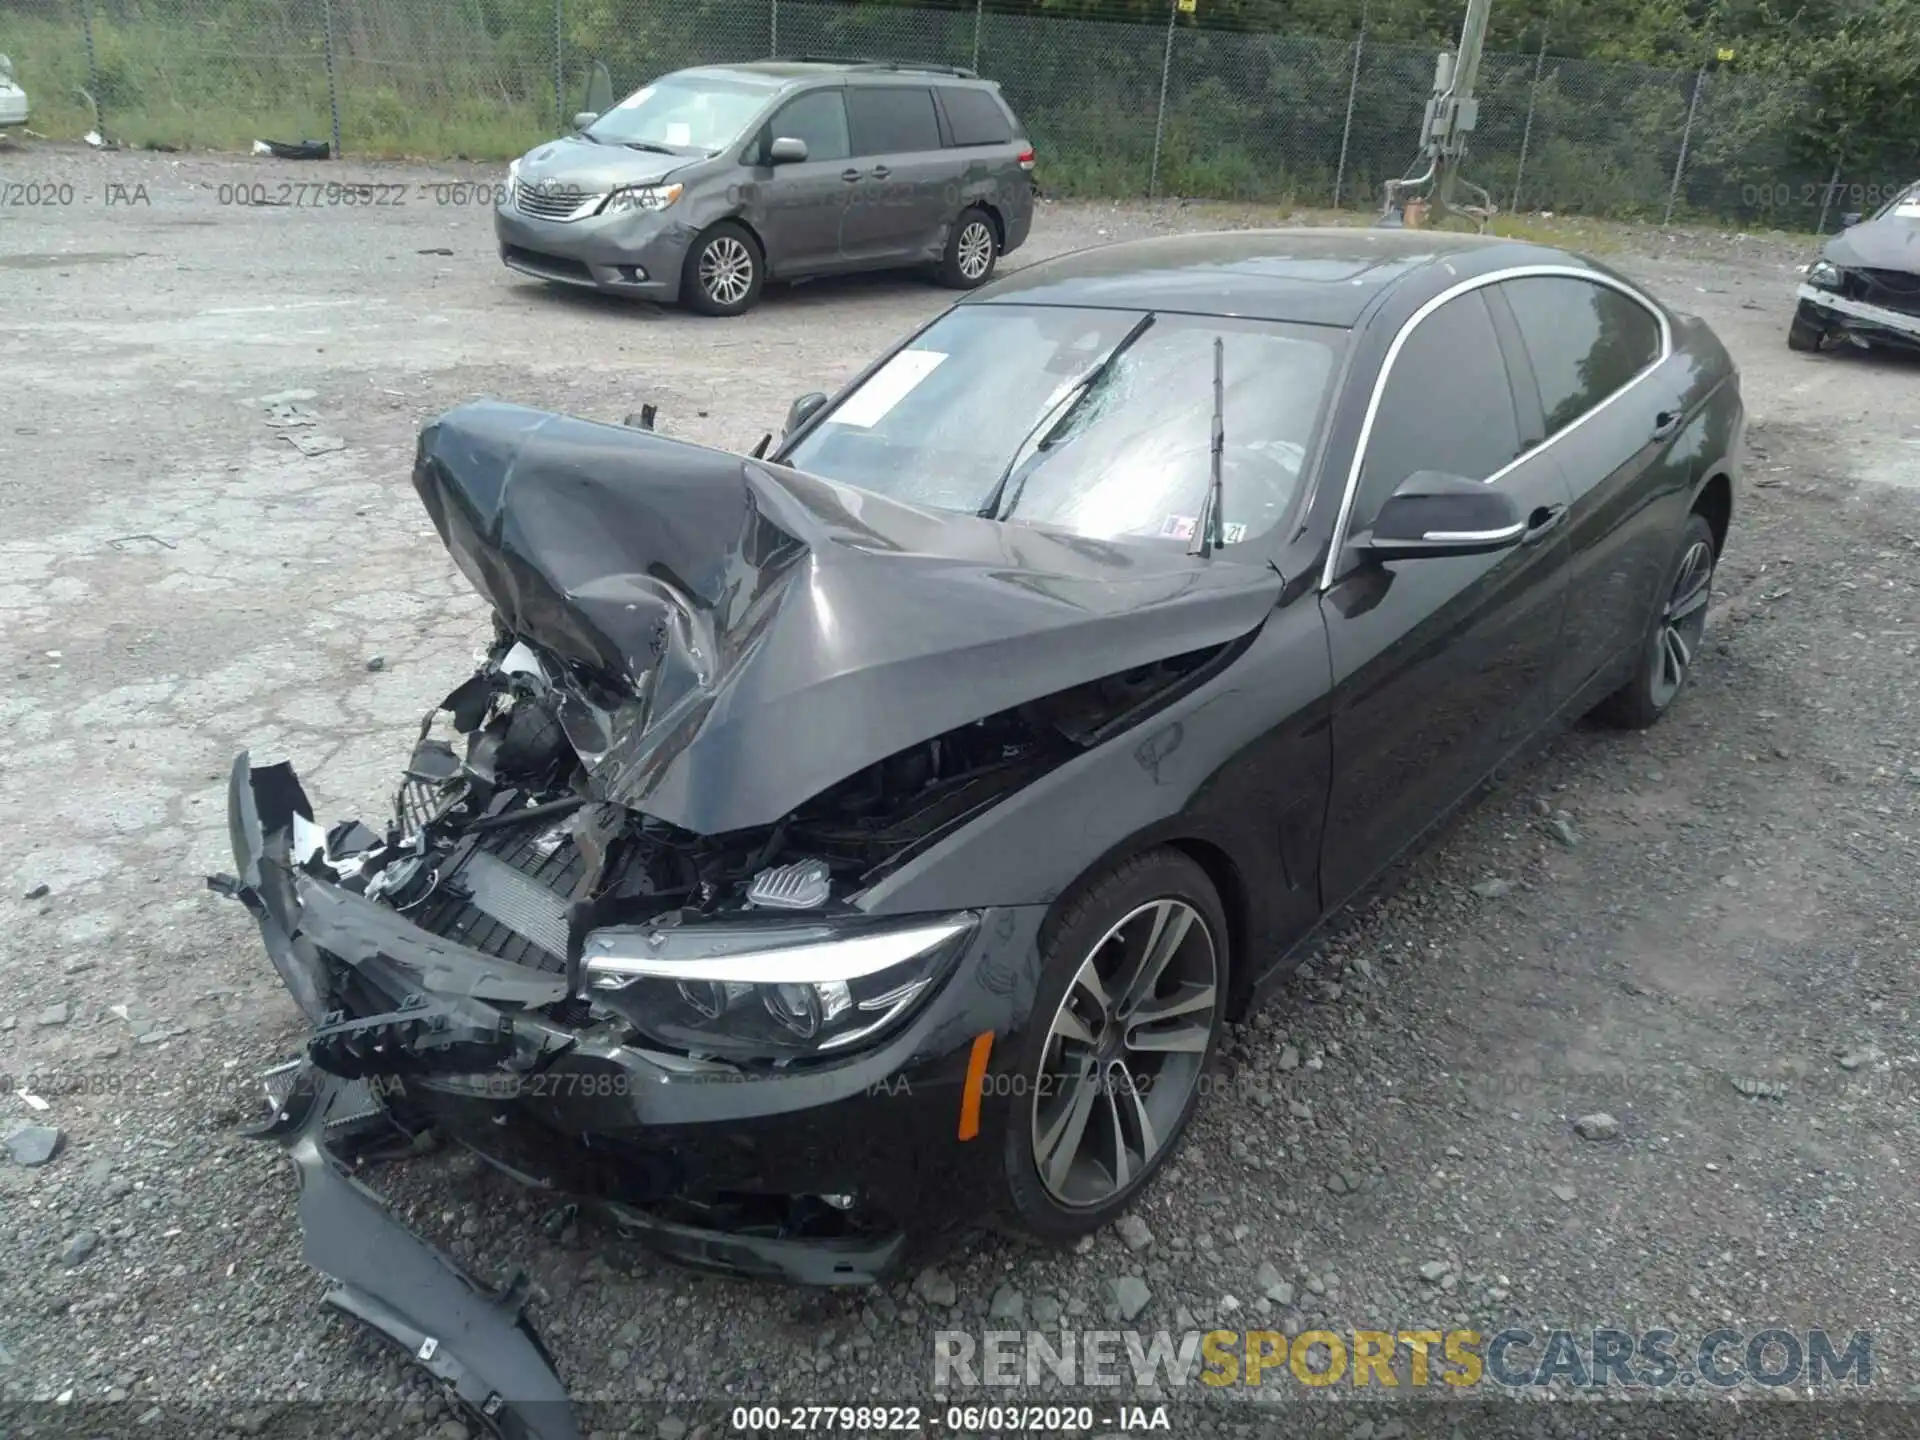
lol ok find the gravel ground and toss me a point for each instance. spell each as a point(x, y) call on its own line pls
point(1721, 957)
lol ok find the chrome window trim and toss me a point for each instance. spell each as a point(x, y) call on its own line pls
point(1453, 292)
point(1505, 532)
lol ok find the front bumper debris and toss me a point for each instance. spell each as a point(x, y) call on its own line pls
point(1858, 317)
point(477, 1342)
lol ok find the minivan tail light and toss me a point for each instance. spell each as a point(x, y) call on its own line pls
point(1026, 158)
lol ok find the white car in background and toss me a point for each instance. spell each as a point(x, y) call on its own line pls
point(13, 100)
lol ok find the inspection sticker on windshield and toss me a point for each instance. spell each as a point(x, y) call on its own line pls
point(887, 387)
point(1181, 527)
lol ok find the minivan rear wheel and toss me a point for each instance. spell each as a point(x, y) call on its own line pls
point(723, 271)
point(972, 249)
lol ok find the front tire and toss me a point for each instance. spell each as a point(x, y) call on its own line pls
point(1679, 625)
point(973, 248)
point(723, 271)
point(1806, 332)
point(1132, 1000)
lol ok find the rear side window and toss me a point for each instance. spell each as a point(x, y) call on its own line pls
point(1585, 341)
point(974, 117)
point(892, 120)
point(819, 118)
point(1448, 406)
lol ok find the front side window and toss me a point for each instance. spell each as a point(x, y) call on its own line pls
point(997, 397)
point(892, 121)
point(685, 114)
point(1585, 340)
point(1448, 406)
point(820, 119)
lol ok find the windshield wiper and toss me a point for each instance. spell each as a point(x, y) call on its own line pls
point(1209, 533)
point(650, 147)
point(1074, 394)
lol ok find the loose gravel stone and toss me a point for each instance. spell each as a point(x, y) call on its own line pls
point(1597, 1126)
point(33, 1145)
point(1130, 1296)
point(1134, 1233)
point(936, 1287)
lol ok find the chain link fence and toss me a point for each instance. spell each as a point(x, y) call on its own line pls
point(1115, 109)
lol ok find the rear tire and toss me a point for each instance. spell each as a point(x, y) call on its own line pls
point(1109, 1073)
point(1806, 332)
point(973, 249)
point(1674, 637)
point(723, 271)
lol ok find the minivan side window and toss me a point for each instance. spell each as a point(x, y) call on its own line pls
point(820, 118)
point(1448, 406)
point(891, 120)
point(1585, 340)
point(974, 117)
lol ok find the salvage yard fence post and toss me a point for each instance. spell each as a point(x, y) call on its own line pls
point(1526, 130)
point(1686, 138)
point(559, 65)
point(979, 14)
point(93, 66)
point(1826, 200)
point(1353, 91)
point(1160, 116)
point(333, 82)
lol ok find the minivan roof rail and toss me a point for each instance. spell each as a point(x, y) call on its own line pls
point(860, 62)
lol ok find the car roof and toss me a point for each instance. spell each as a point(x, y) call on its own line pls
point(1324, 275)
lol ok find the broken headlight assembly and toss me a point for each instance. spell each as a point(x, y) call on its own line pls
point(773, 992)
point(1825, 275)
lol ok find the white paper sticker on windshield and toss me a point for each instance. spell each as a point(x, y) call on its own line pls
point(636, 99)
point(887, 387)
point(679, 132)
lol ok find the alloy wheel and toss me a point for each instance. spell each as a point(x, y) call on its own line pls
point(1683, 622)
point(726, 270)
point(1124, 1053)
point(975, 249)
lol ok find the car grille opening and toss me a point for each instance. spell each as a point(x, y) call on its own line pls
point(557, 267)
point(1892, 290)
point(542, 204)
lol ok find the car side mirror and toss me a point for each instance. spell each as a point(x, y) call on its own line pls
point(585, 118)
point(1434, 514)
point(1850, 219)
point(786, 150)
point(805, 408)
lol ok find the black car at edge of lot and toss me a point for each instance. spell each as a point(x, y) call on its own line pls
point(840, 849)
point(706, 183)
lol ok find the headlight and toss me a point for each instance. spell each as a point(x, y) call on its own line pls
point(1825, 274)
point(644, 197)
point(772, 991)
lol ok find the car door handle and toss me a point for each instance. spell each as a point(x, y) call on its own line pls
point(1543, 519)
point(880, 172)
point(1665, 423)
point(850, 176)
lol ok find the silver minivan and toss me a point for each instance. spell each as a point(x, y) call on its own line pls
point(708, 182)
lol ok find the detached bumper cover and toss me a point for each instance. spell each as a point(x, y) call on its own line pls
point(475, 1341)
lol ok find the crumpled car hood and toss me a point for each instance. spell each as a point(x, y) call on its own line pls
point(739, 636)
point(1892, 243)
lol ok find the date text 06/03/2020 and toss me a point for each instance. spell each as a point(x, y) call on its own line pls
point(950, 1419)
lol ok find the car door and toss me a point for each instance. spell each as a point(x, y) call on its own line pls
point(1595, 352)
point(898, 210)
point(1440, 664)
point(798, 208)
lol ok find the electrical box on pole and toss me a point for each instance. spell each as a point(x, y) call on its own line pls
point(1452, 112)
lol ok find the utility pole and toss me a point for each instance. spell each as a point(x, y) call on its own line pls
point(1463, 107)
point(1451, 115)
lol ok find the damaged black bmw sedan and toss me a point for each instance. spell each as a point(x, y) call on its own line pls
point(846, 847)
